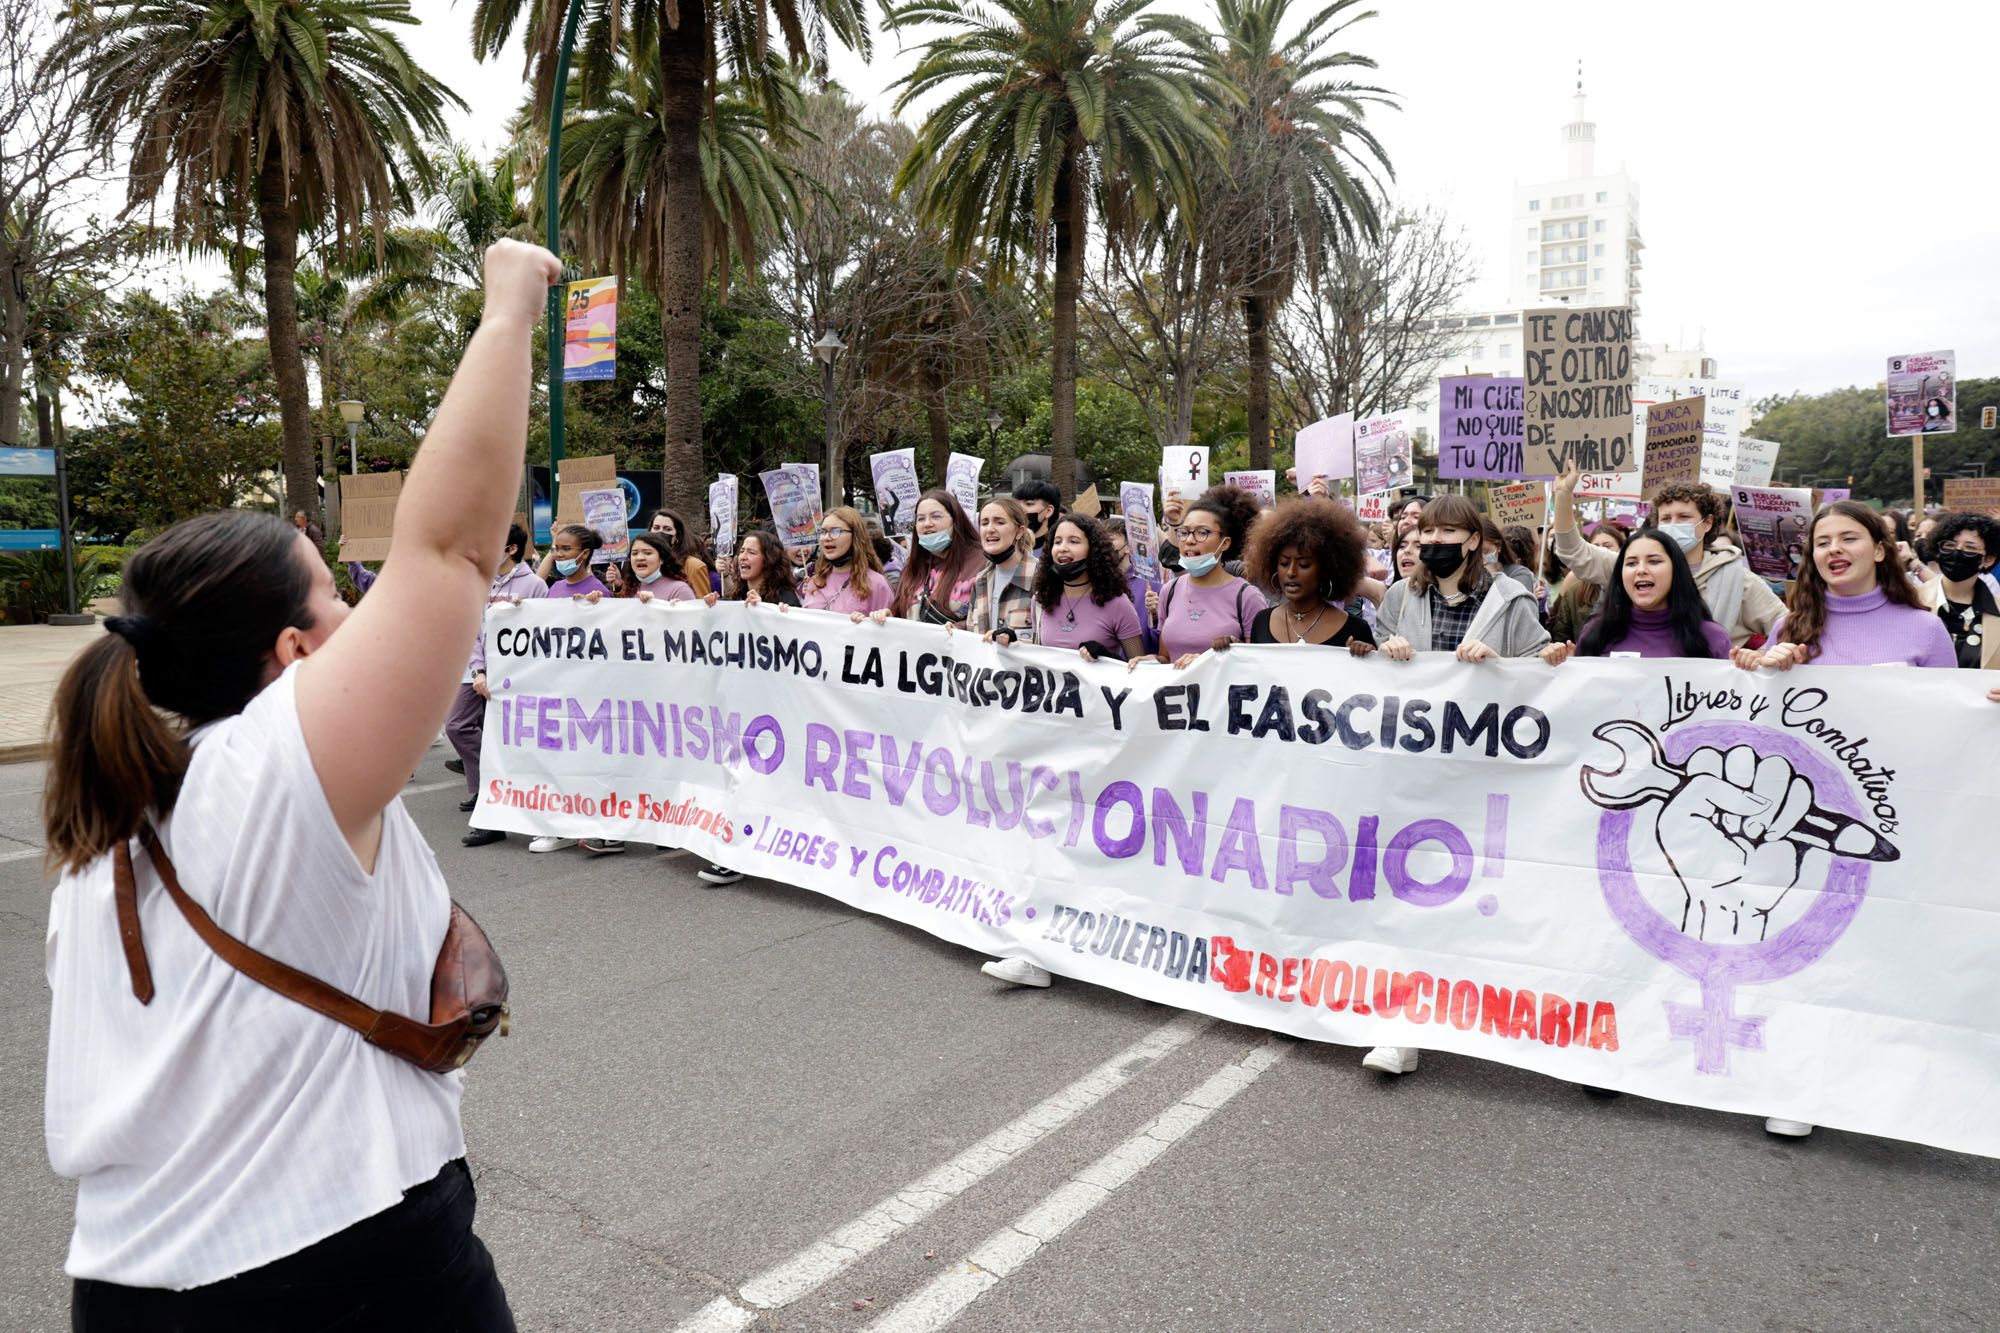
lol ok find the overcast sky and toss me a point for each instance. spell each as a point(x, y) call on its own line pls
point(1820, 187)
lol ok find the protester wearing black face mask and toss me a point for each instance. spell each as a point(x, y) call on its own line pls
point(1042, 503)
point(1966, 545)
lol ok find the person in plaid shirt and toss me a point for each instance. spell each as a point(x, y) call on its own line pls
point(1003, 594)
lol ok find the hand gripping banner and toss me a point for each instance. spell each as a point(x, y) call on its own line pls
point(1756, 893)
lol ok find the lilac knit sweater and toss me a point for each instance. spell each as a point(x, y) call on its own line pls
point(1869, 630)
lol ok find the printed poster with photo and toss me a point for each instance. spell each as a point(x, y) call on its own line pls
point(722, 502)
point(896, 489)
point(961, 478)
point(1142, 535)
point(604, 513)
point(1382, 447)
point(794, 497)
point(1773, 522)
point(1922, 389)
point(1262, 485)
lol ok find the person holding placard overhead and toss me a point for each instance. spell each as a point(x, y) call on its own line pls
point(232, 754)
point(1453, 604)
point(1691, 512)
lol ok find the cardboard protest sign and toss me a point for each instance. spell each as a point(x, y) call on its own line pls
point(1325, 450)
point(1522, 502)
point(961, 478)
point(1382, 452)
point(1184, 471)
point(1722, 427)
point(368, 514)
point(1373, 507)
point(722, 501)
point(1087, 502)
point(1773, 523)
point(1673, 444)
point(604, 514)
point(1922, 393)
point(1577, 390)
point(1480, 426)
point(1142, 536)
point(574, 476)
point(590, 330)
point(1263, 485)
point(896, 489)
point(1754, 461)
point(1976, 494)
point(795, 508)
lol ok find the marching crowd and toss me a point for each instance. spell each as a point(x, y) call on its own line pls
point(243, 1162)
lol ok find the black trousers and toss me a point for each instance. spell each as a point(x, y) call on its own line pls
point(416, 1266)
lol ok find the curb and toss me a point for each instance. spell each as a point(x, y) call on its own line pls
point(22, 752)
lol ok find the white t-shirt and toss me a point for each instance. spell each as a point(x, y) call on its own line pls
point(224, 1126)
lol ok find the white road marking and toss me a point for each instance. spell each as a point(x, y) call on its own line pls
point(22, 854)
point(946, 1296)
point(846, 1245)
point(423, 787)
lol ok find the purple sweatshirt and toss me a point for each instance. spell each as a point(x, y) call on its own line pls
point(1870, 630)
point(1652, 635)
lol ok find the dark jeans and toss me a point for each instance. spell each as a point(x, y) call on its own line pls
point(415, 1266)
point(463, 727)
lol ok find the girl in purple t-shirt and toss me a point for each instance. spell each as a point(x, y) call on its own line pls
point(567, 565)
point(652, 555)
point(1080, 597)
point(1208, 606)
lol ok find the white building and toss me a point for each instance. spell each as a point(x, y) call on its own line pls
point(1573, 240)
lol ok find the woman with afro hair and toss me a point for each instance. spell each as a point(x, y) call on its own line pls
point(1312, 553)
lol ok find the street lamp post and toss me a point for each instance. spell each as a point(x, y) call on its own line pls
point(350, 412)
point(826, 349)
point(993, 423)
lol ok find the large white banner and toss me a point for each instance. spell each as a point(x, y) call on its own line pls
point(1755, 893)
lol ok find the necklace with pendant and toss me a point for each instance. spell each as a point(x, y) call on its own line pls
point(1301, 635)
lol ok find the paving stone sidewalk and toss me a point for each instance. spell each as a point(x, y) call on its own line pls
point(32, 660)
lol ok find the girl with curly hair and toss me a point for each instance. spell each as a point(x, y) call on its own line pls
point(1208, 607)
point(1311, 551)
point(1081, 601)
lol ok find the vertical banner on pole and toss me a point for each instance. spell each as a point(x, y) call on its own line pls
point(590, 331)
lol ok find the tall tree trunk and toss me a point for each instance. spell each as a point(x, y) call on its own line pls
point(683, 78)
point(13, 352)
point(938, 419)
point(281, 330)
point(329, 451)
point(1257, 342)
point(1070, 240)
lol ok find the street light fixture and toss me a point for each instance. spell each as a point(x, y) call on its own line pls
point(826, 349)
point(350, 412)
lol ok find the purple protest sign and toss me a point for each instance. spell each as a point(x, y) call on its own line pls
point(1479, 427)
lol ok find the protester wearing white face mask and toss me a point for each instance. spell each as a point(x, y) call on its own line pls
point(1689, 512)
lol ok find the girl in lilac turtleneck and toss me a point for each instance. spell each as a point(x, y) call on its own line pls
point(1851, 605)
point(1652, 609)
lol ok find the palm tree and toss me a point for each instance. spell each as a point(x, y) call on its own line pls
point(297, 114)
point(1047, 105)
point(1299, 178)
point(691, 46)
point(618, 200)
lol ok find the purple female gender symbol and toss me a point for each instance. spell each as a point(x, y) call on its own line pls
point(1713, 1025)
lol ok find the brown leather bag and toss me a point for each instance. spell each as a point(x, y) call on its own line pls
point(468, 985)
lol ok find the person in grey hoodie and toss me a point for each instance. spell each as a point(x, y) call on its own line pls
point(1452, 604)
point(1738, 600)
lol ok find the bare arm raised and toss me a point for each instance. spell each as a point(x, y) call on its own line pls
point(372, 698)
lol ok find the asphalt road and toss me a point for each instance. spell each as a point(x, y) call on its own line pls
point(752, 1102)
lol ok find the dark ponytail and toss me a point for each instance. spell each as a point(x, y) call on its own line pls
point(204, 603)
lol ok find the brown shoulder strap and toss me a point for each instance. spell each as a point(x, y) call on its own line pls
point(392, 1031)
point(125, 895)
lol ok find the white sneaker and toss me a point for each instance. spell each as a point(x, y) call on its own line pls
point(718, 875)
point(549, 843)
point(1790, 1129)
point(1392, 1059)
point(1018, 972)
point(603, 846)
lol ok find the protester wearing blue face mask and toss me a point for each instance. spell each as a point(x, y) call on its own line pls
point(937, 584)
point(1690, 513)
point(567, 565)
